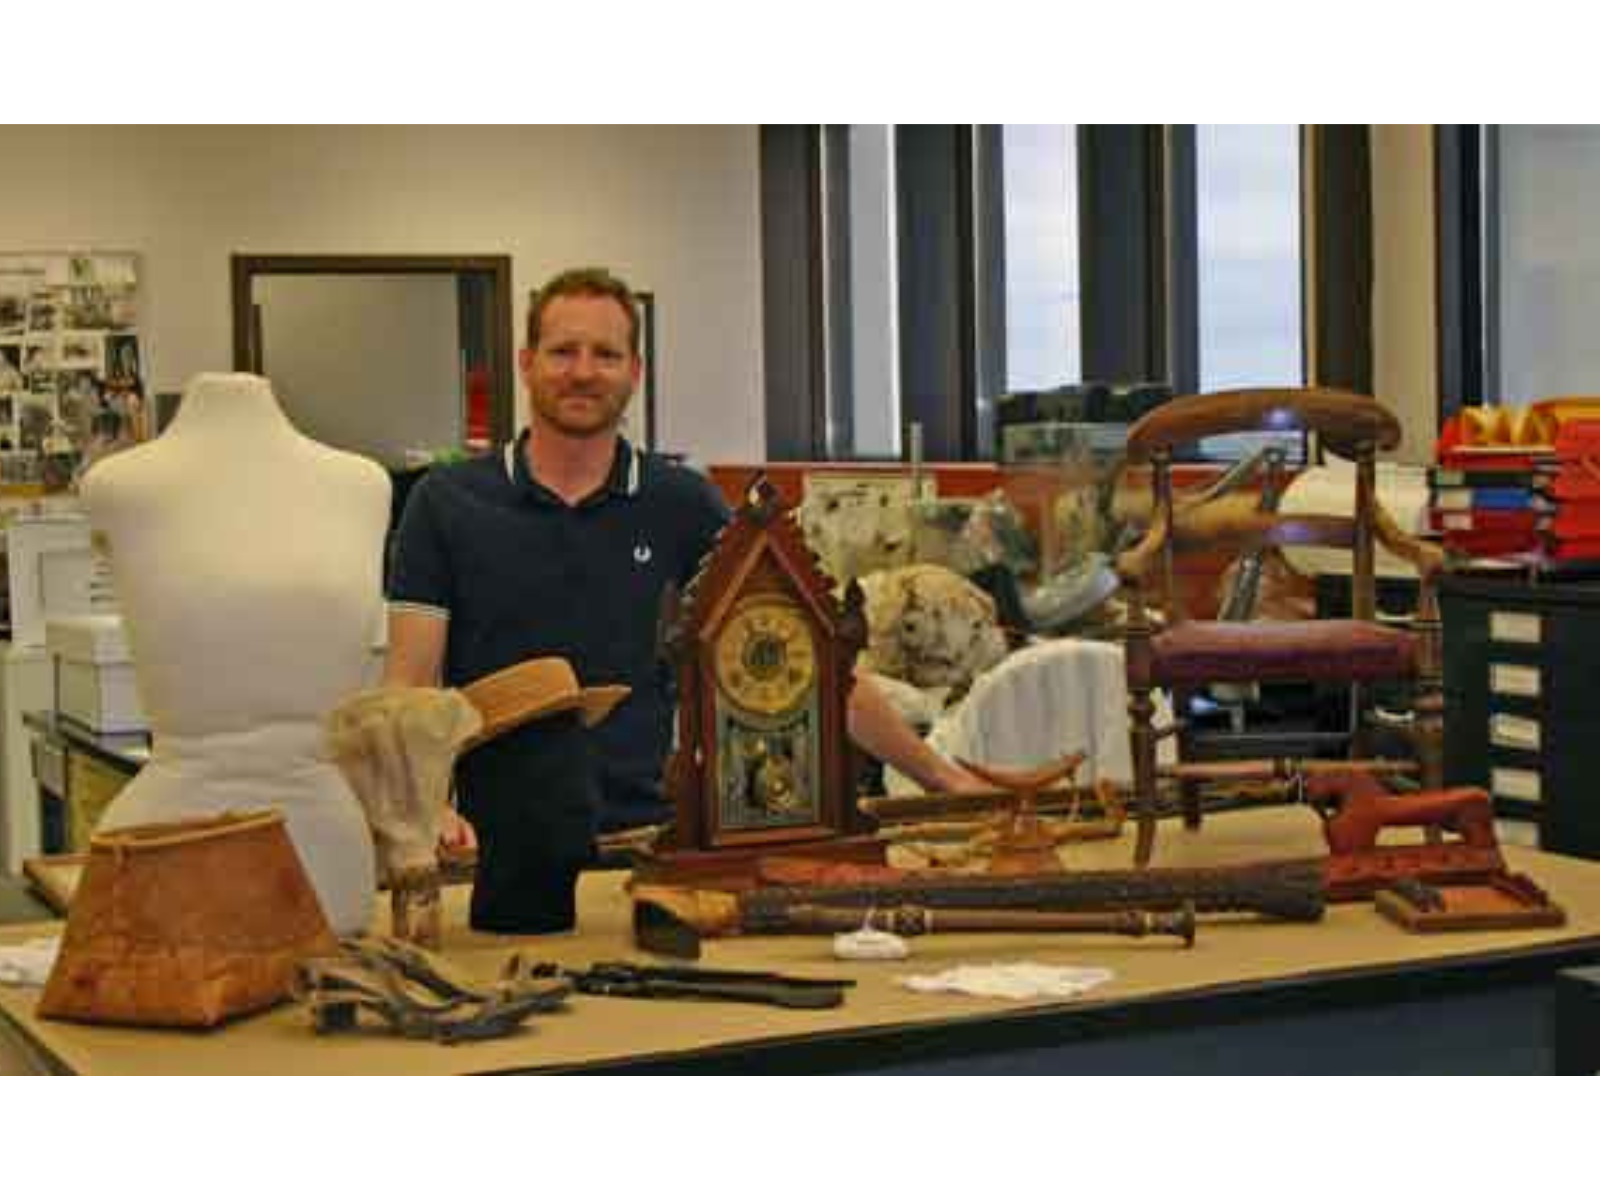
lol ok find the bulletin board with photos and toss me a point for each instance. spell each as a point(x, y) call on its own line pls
point(71, 362)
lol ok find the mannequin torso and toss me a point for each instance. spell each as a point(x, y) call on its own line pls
point(248, 566)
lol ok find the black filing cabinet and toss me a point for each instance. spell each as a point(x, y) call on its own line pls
point(1522, 701)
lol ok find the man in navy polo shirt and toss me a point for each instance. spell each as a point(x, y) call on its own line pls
point(563, 546)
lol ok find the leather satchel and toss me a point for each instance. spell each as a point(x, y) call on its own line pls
point(186, 923)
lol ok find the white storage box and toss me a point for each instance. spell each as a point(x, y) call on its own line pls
point(94, 674)
point(51, 573)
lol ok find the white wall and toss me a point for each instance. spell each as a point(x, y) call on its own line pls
point(673, 209)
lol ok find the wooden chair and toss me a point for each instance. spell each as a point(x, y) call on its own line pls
point(1186, 654)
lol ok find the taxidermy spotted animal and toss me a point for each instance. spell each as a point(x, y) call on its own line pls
point(930, 627)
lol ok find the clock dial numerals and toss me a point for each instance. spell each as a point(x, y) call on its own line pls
point(765, 657)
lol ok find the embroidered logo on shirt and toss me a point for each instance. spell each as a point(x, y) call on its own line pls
point(642, 554)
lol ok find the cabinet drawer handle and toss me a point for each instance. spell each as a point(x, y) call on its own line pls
point(1513, 732)
point(1509, 679)
point(1514, 783)
point(1516, 628)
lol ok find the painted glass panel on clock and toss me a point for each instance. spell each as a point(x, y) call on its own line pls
point(767, 771)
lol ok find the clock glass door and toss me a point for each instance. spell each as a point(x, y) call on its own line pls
point(767, 719)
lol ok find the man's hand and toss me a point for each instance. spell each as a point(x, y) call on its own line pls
point(882, 732)
point(456, 836)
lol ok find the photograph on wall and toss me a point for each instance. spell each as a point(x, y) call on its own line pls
point(13, 307)
point(121, 311)
point(71, 366)
point(39, 355)
point(44, 313)
point(35, 420)
point(639, 422)
point(78, 398)
point(11, 377)
point(87, 308)
point(80, 351)
point(122, 358)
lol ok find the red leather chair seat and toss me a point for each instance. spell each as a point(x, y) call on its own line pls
point(1198, 652)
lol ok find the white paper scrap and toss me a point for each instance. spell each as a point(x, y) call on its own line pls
point(29, 962)
point(1012, 981)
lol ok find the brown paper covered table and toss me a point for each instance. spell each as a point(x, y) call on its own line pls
point(1238, 969)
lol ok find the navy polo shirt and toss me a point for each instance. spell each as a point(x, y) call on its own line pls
point(520, 574)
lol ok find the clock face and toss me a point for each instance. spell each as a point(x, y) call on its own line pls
point(766, 659)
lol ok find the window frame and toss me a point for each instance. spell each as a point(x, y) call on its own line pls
point(1137, 247)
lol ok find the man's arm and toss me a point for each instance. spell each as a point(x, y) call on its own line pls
point(416, 649)
point(882, 732)
point(416, 659)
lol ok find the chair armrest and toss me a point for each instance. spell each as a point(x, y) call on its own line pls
point(1427, 558)
point(1134, 565)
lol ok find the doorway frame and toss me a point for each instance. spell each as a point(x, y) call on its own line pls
point(245, 268)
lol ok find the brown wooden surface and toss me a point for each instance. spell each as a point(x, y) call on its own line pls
point(1230, 956)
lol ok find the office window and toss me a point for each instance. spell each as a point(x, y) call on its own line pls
point(919, 273)
point(1043, 325)
point(1248, 265)
point(1247, 209)
point(860, 290)
point(1543, 258)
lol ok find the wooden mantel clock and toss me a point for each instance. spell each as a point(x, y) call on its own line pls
point(765, 656)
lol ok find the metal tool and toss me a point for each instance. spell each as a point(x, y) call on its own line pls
point(645, 982)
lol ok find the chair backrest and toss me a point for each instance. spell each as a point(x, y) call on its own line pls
point(1346, 422)
point(1352, 426)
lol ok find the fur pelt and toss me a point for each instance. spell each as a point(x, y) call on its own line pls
point(930, 627)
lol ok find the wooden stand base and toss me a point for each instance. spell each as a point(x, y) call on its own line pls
point(1500, 901)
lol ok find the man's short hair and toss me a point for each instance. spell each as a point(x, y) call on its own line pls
point(585, 281)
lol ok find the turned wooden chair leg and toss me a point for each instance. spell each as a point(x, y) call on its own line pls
point(1428, 737)
point(1427, 728)
point(1141, 731)
point(1189, 790)
point(1361, 740)
point(1189, 794)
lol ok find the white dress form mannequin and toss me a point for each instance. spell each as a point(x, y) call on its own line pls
point(248, 566)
